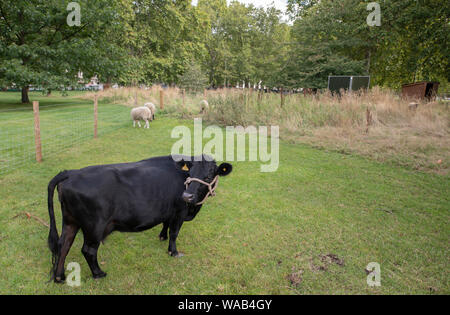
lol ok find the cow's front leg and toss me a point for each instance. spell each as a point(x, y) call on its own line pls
point(163, 234)
point(173, 233)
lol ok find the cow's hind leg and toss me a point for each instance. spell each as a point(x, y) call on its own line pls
point(163, 234)
point(89, 251)
point(69, 231)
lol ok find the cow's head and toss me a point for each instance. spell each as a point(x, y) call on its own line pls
point(201, 177)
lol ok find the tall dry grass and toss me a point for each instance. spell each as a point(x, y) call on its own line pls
point(134, 96)
point(378, 124)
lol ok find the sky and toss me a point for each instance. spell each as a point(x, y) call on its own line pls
point(279, 4)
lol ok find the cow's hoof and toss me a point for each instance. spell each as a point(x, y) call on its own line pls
point(100, 275)
point(60, 279)
point(176, 254)
point(162, 238)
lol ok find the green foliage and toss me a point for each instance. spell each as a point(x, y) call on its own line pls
point(410, 45)
point(245, 44)
point(193, 79)
point(155, 41)
point(39, 48)
point(165, 36)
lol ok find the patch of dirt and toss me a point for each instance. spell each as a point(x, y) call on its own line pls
point(295, 278)
point(324, 262)
point(317, 268)
point(332, 258)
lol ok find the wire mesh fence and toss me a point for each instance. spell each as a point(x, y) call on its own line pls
point(61, 126)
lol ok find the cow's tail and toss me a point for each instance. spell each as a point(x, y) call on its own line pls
point(53, 234)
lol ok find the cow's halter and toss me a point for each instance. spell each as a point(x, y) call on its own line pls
point(211, 187)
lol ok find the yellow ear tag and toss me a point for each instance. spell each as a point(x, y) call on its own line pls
point(185, 168)
point(224, 169)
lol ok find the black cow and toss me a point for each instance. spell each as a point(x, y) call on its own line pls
point(129, 197)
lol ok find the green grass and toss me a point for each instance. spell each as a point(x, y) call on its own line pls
point(258, 230)
point(64, 122)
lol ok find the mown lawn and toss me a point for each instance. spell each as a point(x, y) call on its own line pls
point(264, 233)
point(64, 123)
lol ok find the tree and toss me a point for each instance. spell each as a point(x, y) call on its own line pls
point(270, 46)
point(409, 45)
point(323, 44)
point(193, 79)
point(244, 43)
point(39, 48)
point(166, 36)
point(217, 57)
point(414, 42)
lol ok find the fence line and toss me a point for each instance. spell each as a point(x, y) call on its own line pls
point(41, 107)
point(57, 126)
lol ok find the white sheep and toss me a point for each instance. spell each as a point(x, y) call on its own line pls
point(141, 113)
point(204, 105)
point(152, 107)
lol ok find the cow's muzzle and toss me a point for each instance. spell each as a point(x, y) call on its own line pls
point(211, 189)
point(187, 197)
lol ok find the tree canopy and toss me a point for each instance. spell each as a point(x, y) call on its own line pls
point(159, 41)
point(39, 48)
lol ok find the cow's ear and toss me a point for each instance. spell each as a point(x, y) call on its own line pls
point(184, 165)
point(224, 169)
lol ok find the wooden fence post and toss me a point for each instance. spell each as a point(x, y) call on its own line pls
point(282, 97)
point(95, 116)
point(204, 94)
point(37, 132)
point(161, 99)
point(184, 93)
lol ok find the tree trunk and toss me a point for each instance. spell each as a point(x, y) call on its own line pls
point(25, 98)
point(369, 55)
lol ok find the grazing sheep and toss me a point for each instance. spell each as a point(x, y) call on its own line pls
point(141, 113)
point(204, 106)
point(152, 107)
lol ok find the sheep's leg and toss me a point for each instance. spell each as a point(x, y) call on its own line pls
point(134, 123)
point(139, 124)
point(147, 124)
